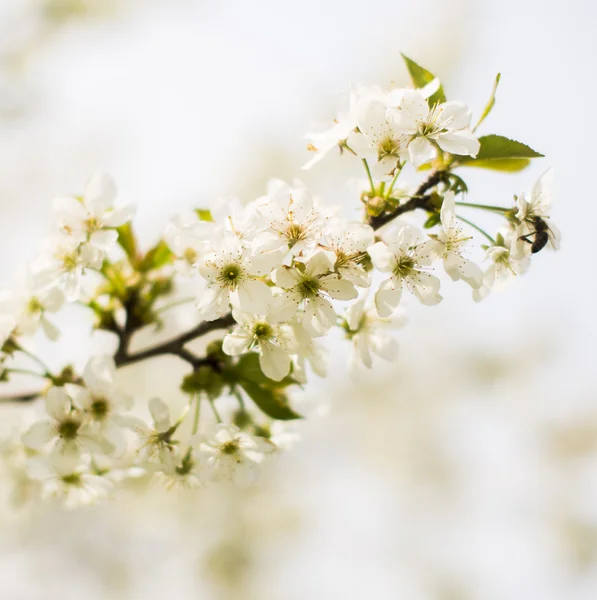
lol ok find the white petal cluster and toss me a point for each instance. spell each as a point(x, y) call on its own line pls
point(269, 280)
point(388, 127)
point(85, 233)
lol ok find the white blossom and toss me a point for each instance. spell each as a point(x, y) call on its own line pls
point(366, 330)
point(103, 402)
point(233, 275)
point(91, 219)
point(378, 139)
point(349, 242)
point(67, 429)
point(312, 284)
point(293, 222)
point(322, 142)
point(76, 487)
point(156, 447)
point(273, 339)
point(63, 263)
point(232, 455)
point(450, 244)
point(189, 239)
point(536, 205)
point(445, 125)
point(505, 263)
point(405, 258)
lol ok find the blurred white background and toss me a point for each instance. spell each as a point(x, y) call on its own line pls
point(469, 471)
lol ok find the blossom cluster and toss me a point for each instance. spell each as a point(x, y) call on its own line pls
point(275, 276)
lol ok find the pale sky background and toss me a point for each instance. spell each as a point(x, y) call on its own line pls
point(184, 102)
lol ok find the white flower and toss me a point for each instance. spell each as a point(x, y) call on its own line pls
point(272, 338)
point(63, 263)
point(75, 486)
point(234, 455)
point(405, 259)
point(349, 242)
point(156, 441)
point(533, 206)
point(379, 140)
point(189, 238)
point(321, 143)
point(366, 331)
point(91, 218)
point(293, 223)
point(181, 472)
point(233, 275)
point(284, 435)
point(450, 243)
point(102, 402)
point(29, 307)
point(67, 429)
point(506, 263)
point(309, 351)
point(446, 125)
point(312, 283)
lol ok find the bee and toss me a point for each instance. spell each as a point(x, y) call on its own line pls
point(541, 235)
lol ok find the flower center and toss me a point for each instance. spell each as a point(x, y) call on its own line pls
point(309, 288)
point(190, 256)
point(68, 429)
point(230, 275)
point(100, 408)
point(34, 306)
point(388, 146)
point(229, 448)
point(405, 267)
point(73, 479)
point(295, 233)
point(262, 331)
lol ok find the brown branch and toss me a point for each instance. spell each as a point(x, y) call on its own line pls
point(21, 397)
point(174, 346)
point(418, 200)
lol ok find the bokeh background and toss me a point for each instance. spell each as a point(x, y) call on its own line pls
point(467, 470)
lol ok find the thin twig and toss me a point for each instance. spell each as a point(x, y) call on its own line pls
point(418, 200)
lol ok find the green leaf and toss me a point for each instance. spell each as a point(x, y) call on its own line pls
point(248, 369)
point(273, 402)
point(204, 214)
point(506, 165)
point(497, 146)
point(128, 242)
point(432, 221)
point(490, 103)
point(420, 77)
point(500, 153)
point(157, 257)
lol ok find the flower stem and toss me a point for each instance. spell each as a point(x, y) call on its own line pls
point(27, 372)
point(215, 411)
point(393, 182)
point(46, 371)
point(196, 416)
point(477, 228)
point(366, 165)
point(483, 206)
